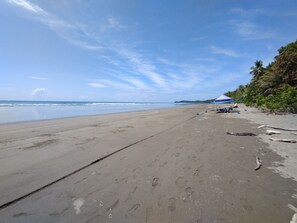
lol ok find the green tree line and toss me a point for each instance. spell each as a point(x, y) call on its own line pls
point(273, 87)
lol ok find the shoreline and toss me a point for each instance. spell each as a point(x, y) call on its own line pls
point(75, 117)
point(163, 165)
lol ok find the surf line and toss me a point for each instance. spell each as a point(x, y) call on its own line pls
point(9, 203)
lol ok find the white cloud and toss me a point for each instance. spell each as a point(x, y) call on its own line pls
point(250, 31)
point(113, 23)
point(137, 83)
point(38, 78)
point(38, 92)
point(245, 12)
point(109, 83)
point(143, 66)
point(28, 6)
point(85, 46)
point(74, 33)
point(96, 85)
point(225, 52)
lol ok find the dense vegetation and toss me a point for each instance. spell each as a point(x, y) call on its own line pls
point(273, 87)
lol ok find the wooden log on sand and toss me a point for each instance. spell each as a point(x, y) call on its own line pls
point(271, 132)
point(284, 140)
point(274, 127)
point(241, 133)
point(258, 162)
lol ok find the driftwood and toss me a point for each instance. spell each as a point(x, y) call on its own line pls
point(270, 132)
point(258, 162)
point(274, 127)
point(241, 133)
point(284, 140)
point(294, 218)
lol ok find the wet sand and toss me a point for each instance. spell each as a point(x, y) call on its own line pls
point(166, 165)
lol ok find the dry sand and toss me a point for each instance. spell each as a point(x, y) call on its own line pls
point(165, 165)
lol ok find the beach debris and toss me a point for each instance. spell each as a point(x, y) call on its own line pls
point(258, 162)
point(274, 127)
point(241, 133)
point(77, 205)
point(284, 140)
point(271, 132)
point(292, 207)
point(294, 218)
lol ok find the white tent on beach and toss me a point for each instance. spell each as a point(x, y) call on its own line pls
point(223, 99)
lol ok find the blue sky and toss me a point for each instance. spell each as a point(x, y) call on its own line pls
point(137, 50)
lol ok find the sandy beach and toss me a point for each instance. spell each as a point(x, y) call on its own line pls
point(166, 165)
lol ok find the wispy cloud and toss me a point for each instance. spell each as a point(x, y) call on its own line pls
point(138, 84)
point(143, 66)
point(96, 85)
point(38, 78)
point(225, 52)
point(38, 92)
point(256, 11)
point(198, 39)
point(75, 33)
point(246, 12)
point(108, 83)
point(250, 31)
point(85, 45)
point(28, 6)
point(113, 23)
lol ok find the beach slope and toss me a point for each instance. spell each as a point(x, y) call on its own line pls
point(167, 165)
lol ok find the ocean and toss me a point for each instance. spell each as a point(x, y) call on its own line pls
point(20, 111)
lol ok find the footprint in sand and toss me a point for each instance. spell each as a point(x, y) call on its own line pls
point(163, 164)
point(130, 194)
point(153, 163)
point(216, 178)
point(131, 210)
point(197, 171)
point(148, 213)
point(171, 206)
point(187, 194)
point(194, 157)
point(180, 182)
point(155, 181)
point(177, 154)
point(246, 204)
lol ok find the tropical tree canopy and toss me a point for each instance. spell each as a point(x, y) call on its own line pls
point(257, 70)
point(273, 87)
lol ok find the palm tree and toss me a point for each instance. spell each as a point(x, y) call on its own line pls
point(257, 70)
